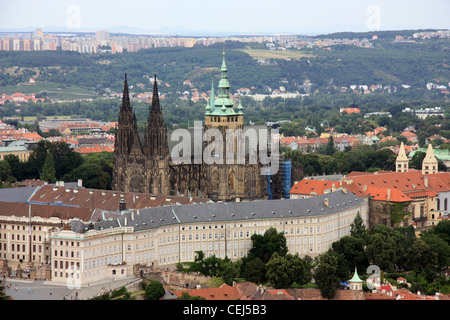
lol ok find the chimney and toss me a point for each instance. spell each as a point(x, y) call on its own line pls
point(80, 183)
point(326, 202)
point(365, 188)
point(388, 194)
point(425, 181)
point(132, 215)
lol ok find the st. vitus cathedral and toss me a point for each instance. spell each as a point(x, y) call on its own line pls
point(142, 162)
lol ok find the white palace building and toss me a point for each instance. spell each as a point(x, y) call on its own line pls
point(85, 253)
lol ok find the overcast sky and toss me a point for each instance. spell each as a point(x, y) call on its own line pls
point(228, 16)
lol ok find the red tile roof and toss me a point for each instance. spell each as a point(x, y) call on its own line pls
point(411, 183)
point(440, 182)
point(315, 187)
point(352, 110)
point(377, 296)
point(44, 211)
point(106, 199)
point(224, 292)
point(385, 194)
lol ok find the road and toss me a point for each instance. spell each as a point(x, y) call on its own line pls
point(42, 290)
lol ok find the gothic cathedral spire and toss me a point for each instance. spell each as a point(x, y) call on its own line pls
point(156, 135)
point(126, 131)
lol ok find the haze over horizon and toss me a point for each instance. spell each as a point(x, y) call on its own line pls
point(201, 17)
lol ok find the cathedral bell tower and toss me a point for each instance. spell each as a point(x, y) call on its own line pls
point(226, 176)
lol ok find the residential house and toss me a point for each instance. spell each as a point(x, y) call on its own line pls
point(369, 140)
point(20, 151)
point(350, 110)
point(410, 136)
point(341, 143)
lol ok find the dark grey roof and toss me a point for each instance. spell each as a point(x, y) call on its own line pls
point(150, 218)
point(20, 195)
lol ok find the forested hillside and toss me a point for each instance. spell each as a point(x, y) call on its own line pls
point(342, 65)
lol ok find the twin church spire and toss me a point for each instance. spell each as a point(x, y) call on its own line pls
point(155, 136)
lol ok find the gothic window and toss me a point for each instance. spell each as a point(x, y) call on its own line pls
point(161, 182)
point(250, 184)
point(231, 181)
point(215, 181)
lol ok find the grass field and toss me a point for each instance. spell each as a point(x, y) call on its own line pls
point(54, 90)
point(270, 54)
point(34, 118)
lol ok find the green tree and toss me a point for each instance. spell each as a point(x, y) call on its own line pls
point(5, 172)
point(154, 290)
point(330, 149)
point(420, 257)
point(352, 251)
point(269, 243)
point(416, 160)
point(65, 159)
point(48, 169)
point(92, 175)
point(440, 247)
point(16, 166)
point(442, 229)
point(253, 269)
point(3, 295)
point(325, 275)
point(283, 271)
point(230, 271)
point(381, 251)
point(357, 228)
point(279, 272)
